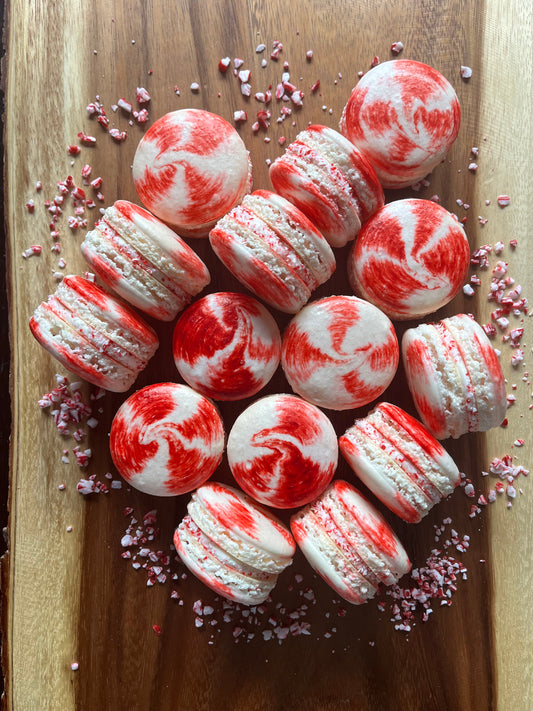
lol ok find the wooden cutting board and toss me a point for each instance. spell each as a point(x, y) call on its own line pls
point(68, 596)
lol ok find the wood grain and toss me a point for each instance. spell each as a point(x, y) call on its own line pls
point(69, 596)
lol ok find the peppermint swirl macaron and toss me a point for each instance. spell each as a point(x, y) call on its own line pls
point(166, 439)
point(227, 346)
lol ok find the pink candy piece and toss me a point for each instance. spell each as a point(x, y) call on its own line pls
point(190, 168)
point(399, 461)
point(331, 182)
point(233, 545)
point(166, 439)
point(282, 451)
point(403, 116)
point(454, 376)
point(144, 261)
point(340, 352)
point(273, 249)
point(409, 259)
point(93, 334)
point(349, 544)
point(226, 346)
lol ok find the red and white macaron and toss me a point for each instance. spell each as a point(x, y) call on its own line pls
point(93, 334)
point(190, 168)
point(454, 376)
point(403, 116)
point(271, 247)
point(349, 543)
point(226, 346)
point(399, 461)
point(233, 545)
point(410, 258)
point(328, 178)
point(282, 451)
point(144, 261)
point(340, 352)
point(166, 439)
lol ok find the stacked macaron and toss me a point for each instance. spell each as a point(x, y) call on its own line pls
point(93, 334)
point(454, 376)
point(190, 168)
point(274, 250)
point(330, 181)
point(349, 544)
point(399, 461)
point(144, 261)
point(231, 544)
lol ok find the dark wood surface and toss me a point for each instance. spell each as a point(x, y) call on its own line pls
point(69, 596)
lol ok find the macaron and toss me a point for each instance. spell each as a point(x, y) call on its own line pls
point(282, 451)
point(271, 247)
point(330, 181)
point(454, 376)
point(190, 168)
point(226, 346)
point(166, 439)
point(144, 261)
point(92, 334)
point(340, 352)
point(349, 544)
point(232, 545)
point(399, 461)
point(410, 258)
point(403, 116)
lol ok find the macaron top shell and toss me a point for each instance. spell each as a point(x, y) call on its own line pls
point(227, 346)
point(454, 376)
point(404, 116)
point(282, 451)
point(190, 168)
point(166, 439)
point(340, 352)
point(410, 258)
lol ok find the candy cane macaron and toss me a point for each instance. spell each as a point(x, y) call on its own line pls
point(93, 334)
point(282, 451)
point(404, 117)
point(340, 352)
point(166, 439)
point(410, 258)
point(190, 168)
point(330, 181)
point(233, 545)
point(144, 261)
point(226, 346)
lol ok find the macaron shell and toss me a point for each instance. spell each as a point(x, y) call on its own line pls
point(410, 258)
point(190, 168)
point(282, 451)
point(404, 116)
point(166, 439)
point(340, 352)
